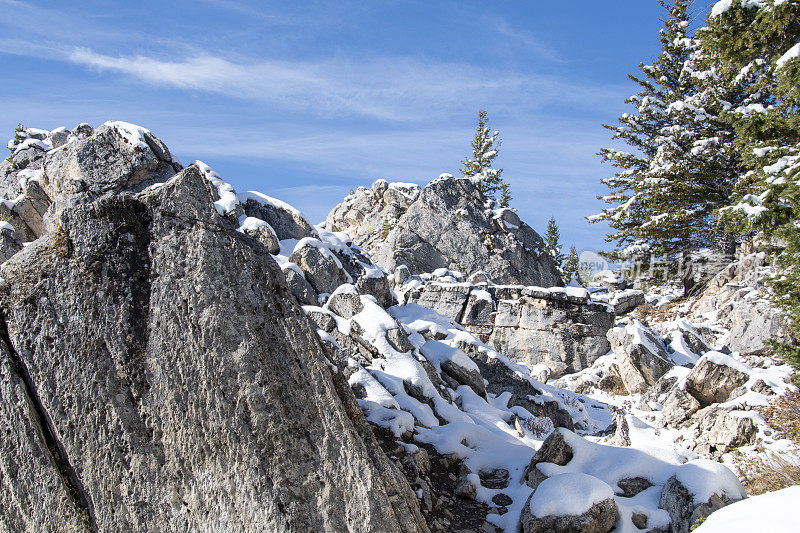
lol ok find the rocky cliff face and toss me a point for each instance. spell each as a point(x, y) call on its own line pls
point(449, 224)
point(158, 375)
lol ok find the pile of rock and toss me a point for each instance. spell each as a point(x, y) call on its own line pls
point(450, 224)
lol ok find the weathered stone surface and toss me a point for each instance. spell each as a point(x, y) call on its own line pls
point(554, 449)
point(598, 519)
point(639, 355)
point(446, 224)
point(345, 301)
point(501, 379)
point(719, 431)
point(377, 286)
point(738, 297)
point(548, 329)
point(621, 436)
point(266, 236)
point(678, 406)
point(710, 382)
point(111, 159)
point(320, 267)
point(157, 352)
point(9, 244)
point(680, 505)
point(626, 301)
point(287, 222)
point(446, 299)
point(631, 486)
point(300, 287)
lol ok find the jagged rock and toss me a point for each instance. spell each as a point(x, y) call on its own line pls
point(610, 280)
point(762, 388)
point(401, 274)
point(22, 231)
point(639, 520)
point(753, 323)
point(714, 377)
point(719, 432)
point(446, 299)
point(266, 236)
point(114, 157)
point(321, 268)
point(9, 244)
point(345, 301)
point(300, 287)
point(621, 436)
point(678, 406)
point(377, 286)
point(466, 488)
point(287, 221)
point(640, 357)
point(612, 381)
point(157, 375)
point(631, 486)
point(554, 449)
point(599, 518)
point(626, 301)
point(444, 225)
point(501, 379)
point(679, 503)
point(478, 311)
point(546, 327)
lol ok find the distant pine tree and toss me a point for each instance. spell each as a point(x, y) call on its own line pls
point(683, 165)
point(18, 138)
point(484, 150)
point(505, 195)
point(552, 244)
point(571, 265)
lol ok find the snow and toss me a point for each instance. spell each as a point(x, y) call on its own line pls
point(704, 478)
point(720, 358)
point(568, 495)
point(775, 511)
point(228, 201)
point(791, 53)
point(247, 223)
point(438, 352)
point(724, 5)
point(7, 227)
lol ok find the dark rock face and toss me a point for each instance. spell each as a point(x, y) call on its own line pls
point(446, 224)
point(157, 375)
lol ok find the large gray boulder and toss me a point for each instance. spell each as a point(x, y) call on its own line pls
point(156, 374)
point(714, 377)
point(640, 357)
point(116, 156)
point(684, 511)
point(287, 221)
point(446, 224)
point(555, 506)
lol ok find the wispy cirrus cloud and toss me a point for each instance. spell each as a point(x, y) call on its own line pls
point(393, 88)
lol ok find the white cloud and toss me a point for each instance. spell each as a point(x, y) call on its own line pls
point(378, 87)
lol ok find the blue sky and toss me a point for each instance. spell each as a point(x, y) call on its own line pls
point(306, 100)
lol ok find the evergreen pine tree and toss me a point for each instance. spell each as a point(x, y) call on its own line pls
point(484, 151)
point(505, 195)
point(757, 45)
point(683, 163)
point(18, 138)
point(571, 265)
point(552, 244)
